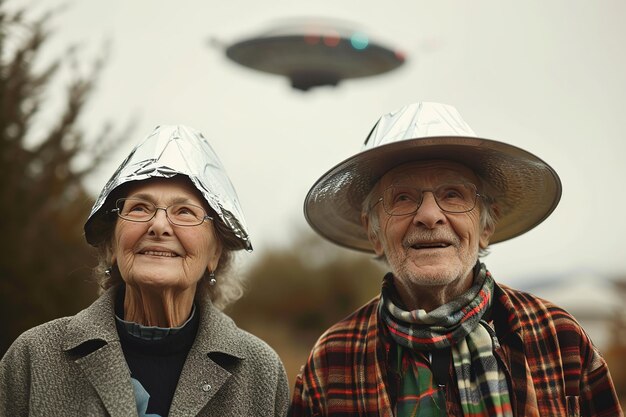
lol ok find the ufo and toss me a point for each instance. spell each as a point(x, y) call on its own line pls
point(314, 52)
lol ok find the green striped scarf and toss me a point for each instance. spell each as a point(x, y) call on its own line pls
point(482, 385)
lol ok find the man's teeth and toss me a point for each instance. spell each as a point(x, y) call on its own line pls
point(155, 253)
point(430, 245)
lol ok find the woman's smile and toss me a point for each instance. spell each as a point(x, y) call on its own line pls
point(160, 252)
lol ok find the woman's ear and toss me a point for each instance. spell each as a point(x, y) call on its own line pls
point(214, 259)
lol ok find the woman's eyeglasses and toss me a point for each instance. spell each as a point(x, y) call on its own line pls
point(182, 214)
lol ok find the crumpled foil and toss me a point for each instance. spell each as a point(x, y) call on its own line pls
point(172, 150)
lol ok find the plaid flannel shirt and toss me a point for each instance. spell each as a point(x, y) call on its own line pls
point(551, 365)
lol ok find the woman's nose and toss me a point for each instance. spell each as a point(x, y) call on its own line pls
point(160, 223)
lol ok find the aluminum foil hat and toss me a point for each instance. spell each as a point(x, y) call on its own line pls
point(169, 151)
point(527, 189)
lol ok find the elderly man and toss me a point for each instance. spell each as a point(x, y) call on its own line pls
point(428, 197)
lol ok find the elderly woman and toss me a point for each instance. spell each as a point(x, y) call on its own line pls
point(155, 343)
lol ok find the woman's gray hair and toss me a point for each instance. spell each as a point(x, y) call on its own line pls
point(487, 204)
point(228, 288)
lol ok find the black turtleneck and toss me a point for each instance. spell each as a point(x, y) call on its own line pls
point(156, 364)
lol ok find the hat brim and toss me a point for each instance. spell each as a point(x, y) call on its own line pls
point(527, 188)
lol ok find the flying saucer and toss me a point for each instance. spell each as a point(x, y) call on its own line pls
point(315, 53)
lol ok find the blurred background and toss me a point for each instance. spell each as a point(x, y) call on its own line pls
point(82, 82)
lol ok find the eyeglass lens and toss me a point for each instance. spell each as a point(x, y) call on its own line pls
point(142, 211)
point(400, 200)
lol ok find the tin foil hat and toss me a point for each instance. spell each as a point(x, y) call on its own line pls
point(527, 189)
point(169, 151)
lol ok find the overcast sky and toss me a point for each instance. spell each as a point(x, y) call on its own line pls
point(545, 76)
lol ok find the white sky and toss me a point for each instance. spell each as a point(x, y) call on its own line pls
point(545, 76)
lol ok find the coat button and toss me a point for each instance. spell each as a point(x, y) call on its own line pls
point(206, 387)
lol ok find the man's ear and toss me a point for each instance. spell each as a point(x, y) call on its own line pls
point(485, 236)
point(371, 236)
point(488, 230)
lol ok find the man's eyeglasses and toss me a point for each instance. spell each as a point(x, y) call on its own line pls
point(400, 200)
point(137, 210)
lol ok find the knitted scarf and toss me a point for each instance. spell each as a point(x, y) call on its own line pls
point(458, 324)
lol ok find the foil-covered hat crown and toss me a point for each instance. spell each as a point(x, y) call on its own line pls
point(418, 120)
point(168, 151)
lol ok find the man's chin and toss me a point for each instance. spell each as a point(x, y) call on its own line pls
point(429, 275)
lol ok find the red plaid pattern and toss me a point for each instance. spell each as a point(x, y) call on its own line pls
point(551, 365)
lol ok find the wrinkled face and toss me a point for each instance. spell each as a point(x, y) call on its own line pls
point(157, 254)
point(430, 247)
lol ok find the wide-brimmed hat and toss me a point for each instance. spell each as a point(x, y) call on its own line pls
point(527, 189)
point(168, 151)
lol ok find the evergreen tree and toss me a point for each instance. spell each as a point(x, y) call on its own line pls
point(45, 264)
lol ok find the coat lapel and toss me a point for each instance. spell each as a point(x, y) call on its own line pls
point(104, 366)
point(200, 380)
point(107, 372)
point(217, 344)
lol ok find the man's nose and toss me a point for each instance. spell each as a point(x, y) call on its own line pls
point(429, 213)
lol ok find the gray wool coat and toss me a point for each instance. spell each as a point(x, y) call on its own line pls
point(74, 366)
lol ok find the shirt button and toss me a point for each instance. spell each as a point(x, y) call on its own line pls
point(206, 387)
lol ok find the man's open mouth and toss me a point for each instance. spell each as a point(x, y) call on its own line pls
point(430, 245)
